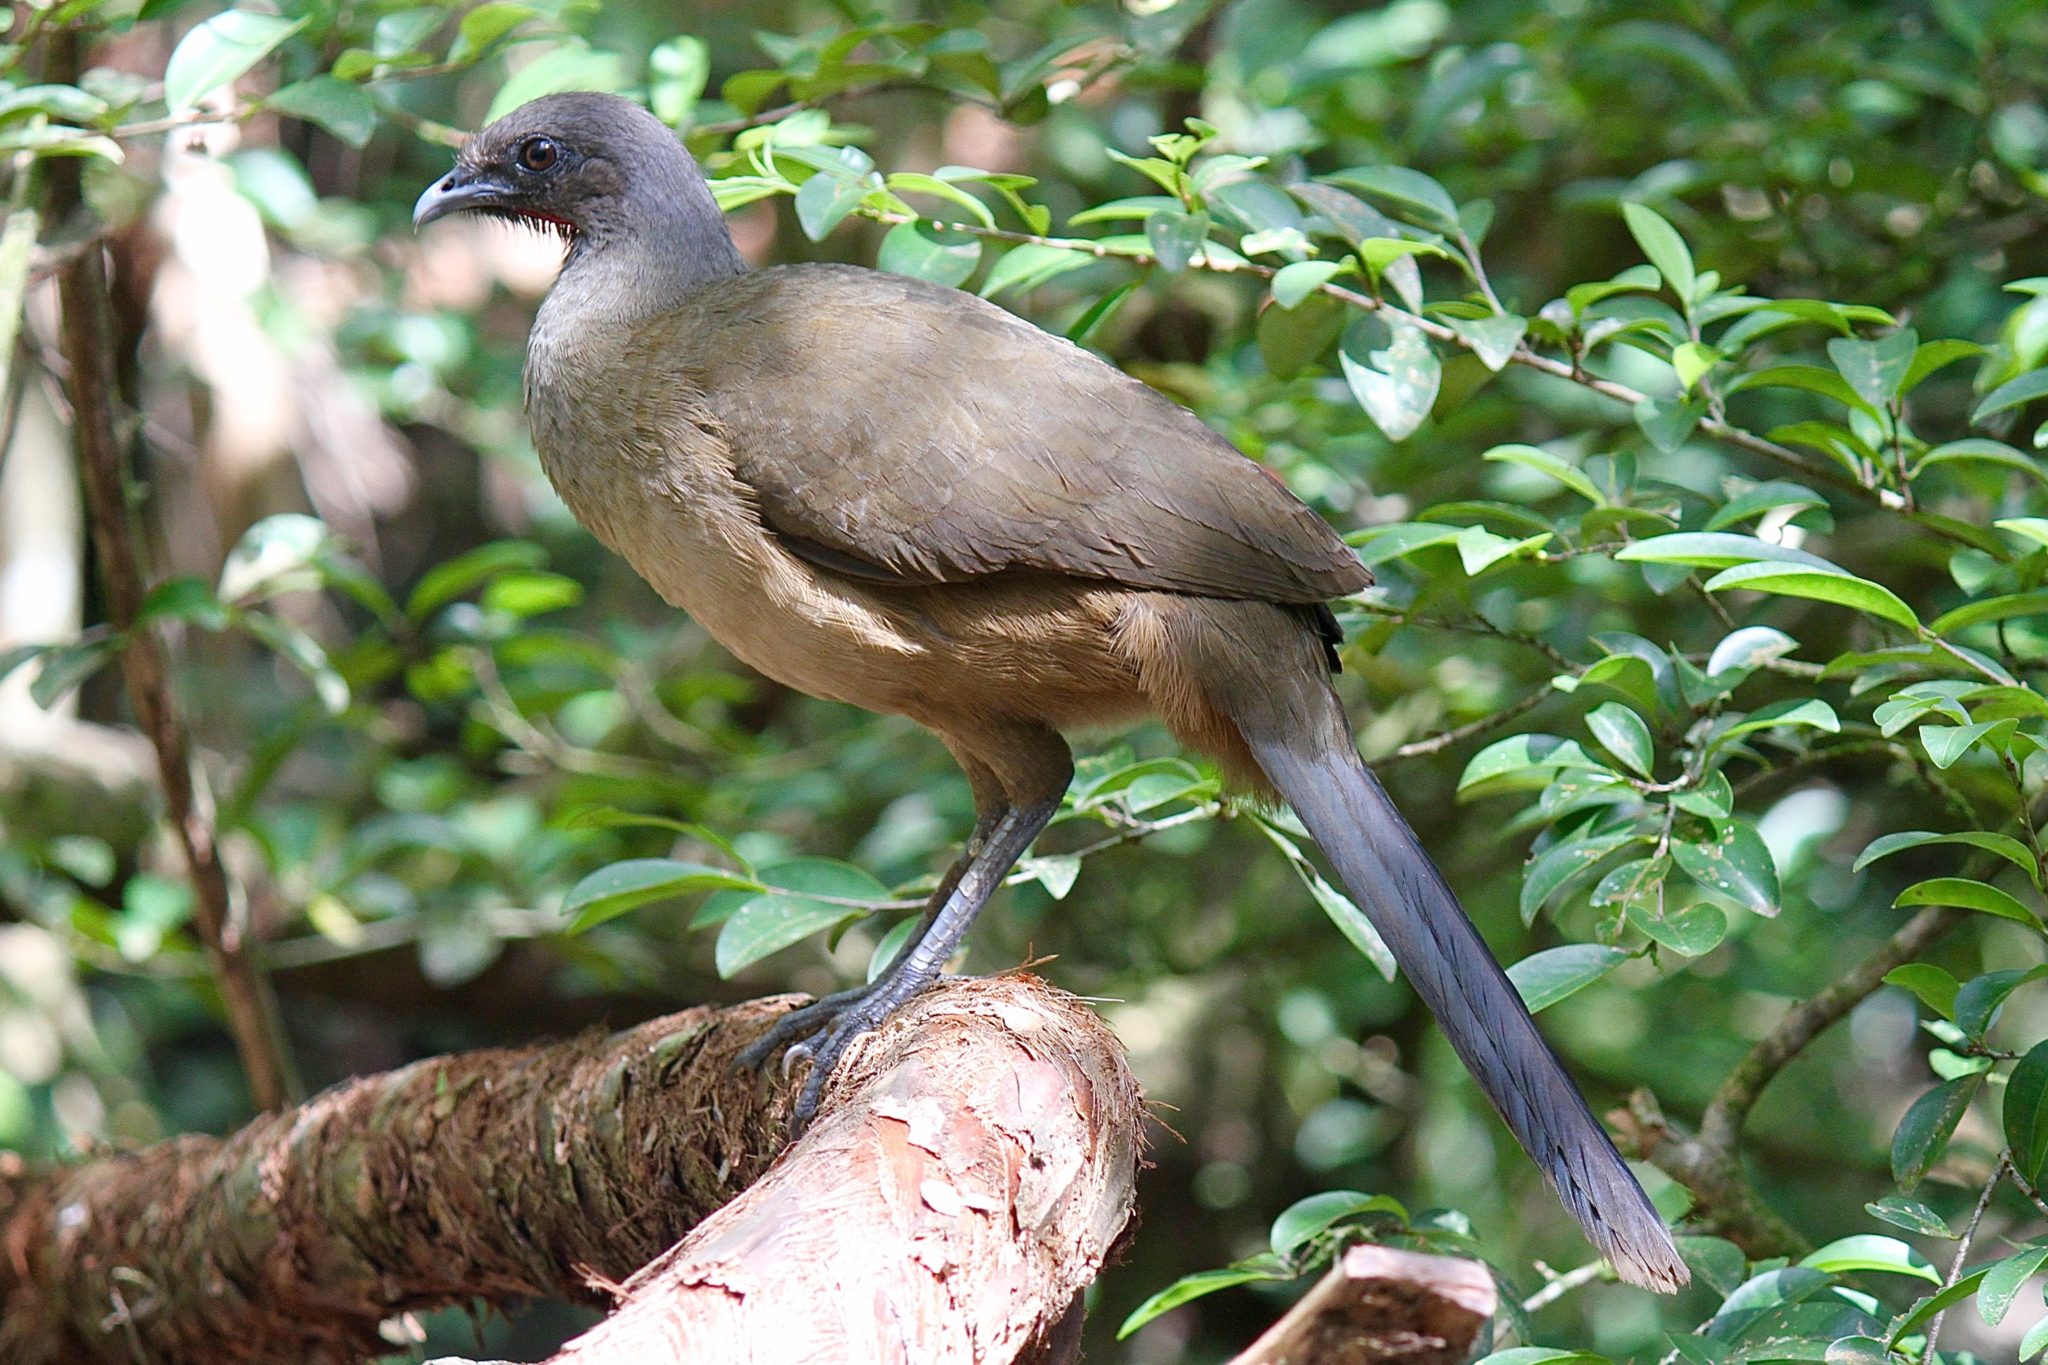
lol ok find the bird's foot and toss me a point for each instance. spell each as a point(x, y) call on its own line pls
point(821, 1031)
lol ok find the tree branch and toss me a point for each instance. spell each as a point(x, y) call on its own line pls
point(87, 341)
point(1378, 1306)
point(972, 1167)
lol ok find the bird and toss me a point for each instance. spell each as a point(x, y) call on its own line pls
point(897, 495)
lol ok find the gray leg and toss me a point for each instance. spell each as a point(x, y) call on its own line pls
point(1011, 833)
point(808, 1019)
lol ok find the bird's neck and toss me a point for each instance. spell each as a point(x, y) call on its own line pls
point(668, 243)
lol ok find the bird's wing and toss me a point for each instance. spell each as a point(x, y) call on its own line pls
point(894, 430)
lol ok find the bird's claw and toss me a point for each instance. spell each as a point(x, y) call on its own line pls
point(845, 1016)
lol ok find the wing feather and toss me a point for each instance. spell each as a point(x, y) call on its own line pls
point(927, 436)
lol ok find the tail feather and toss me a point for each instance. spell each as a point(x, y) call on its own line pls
point(1384, 866)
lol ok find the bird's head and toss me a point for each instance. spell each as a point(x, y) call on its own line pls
point(592, 168)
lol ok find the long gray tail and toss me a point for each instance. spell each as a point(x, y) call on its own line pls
point(1407, 900)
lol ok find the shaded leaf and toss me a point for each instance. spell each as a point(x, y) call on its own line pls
point(218, 50)
point(1923, 1134)
point(1308, 1218)
point(2026, 1114)
point(1547, 977)
point(1736, 864)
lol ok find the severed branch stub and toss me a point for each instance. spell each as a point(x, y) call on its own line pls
point(1378, 1306)
point(972, 1167)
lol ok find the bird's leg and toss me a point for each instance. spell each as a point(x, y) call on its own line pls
point(808, 1019)
point(918, 967)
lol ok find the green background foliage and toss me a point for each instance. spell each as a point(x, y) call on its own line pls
point(1677, 368)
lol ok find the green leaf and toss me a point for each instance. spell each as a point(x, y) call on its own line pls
point(1306, 1219)
point(1763, 497)
point(1176, 238)
point(1622, 733)
point(218, 50)
point(1945, 744)
point(1692, 361)
point(678, 71)
point(1547, 977)
point(1876, 370)
point(67, 666)
point(767, 924)
point(1982, 450)
point(1293, 283)
point(1924, 1310)
point(924, 251)
point(1870, 1251)
point(2026, 1115)
point(184, 599)
point(2002, 1281)
point(2012, 394)
point(1736, 864)
point(530, 592)
point(1543, 462)
point(1714, 550)
point(1663, 246)
point(823, 201)
point(1935, 988)
point(1480, 549)
point(1966, 894)
point(569, 66)
point(1747, 648)
point(2005, 608)
point(1669, 423)
point(1923, 1134)
point(1342, 910)
point(447, 581)
point(1396, 386)
point(1821, 585)
point(1408, 193)
point(1808, 712)
point(1541, 1355)
point(1519, 763)
point(275, 553)
point(1910, 1214)
point(1937, 355)
point(486, 24)
point(2035, 1341)
point(1493, 339)
point(1103, 309)
point(612, 891)
point(1717, 1262)
point(1980, 998)
point(1191, 1287)
point(1689, 930)
point(1030, 265)
point(340, 107)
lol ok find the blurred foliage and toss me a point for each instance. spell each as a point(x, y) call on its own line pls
point(1679, 369)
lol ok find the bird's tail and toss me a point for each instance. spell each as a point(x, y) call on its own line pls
point(1382, 863)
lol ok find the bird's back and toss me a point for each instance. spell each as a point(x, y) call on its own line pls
point(929, 436)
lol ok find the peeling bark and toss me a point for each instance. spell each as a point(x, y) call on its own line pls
point(972, 1166)
point(1378, 1306)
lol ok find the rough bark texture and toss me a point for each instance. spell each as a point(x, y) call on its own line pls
point(1382, 1307)
point(973, 1165)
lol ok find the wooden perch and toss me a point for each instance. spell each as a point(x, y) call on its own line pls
point(971, 1168)
point(1378, 1306)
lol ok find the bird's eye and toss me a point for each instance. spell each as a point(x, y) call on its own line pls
point(539, 154)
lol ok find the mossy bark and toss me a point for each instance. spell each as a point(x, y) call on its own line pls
point(973, 1165)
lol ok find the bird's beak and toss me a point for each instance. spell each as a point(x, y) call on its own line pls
point(460, 189)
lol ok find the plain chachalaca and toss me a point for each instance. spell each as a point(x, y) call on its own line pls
point(893, 494)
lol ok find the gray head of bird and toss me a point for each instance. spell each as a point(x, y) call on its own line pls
point(600, 171)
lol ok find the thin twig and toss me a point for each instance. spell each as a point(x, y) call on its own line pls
point(1721, 1125)
point(1437, 743)
point(87, 338)
point(1955, 1266)
point(1561, 1285)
